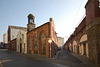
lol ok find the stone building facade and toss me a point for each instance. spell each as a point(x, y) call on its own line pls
point(37, 38)
point(12, 33)
point(86, 38)
point(60, 42)
point(5, 38)
point(93, 30)
point(21, 46)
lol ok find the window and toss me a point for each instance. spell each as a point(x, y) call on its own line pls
point(43, 43)
point(35, 45)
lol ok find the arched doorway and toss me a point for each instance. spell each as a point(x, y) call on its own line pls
point(35, 45)
point(43, 44)
point(74, 46)
point(70, 47)
point(83, 47)
point(20, 48)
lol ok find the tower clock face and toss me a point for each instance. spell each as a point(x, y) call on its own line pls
point(31, 20)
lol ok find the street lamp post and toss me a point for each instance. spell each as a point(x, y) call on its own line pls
point(50, 41)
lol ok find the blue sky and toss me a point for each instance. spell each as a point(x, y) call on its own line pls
point(63, 12)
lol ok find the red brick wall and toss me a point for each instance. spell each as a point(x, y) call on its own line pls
point(45, 28)
point(13, 45)
point(78, 33)
point(92, 10)
point(9, 38)
point(54, 38)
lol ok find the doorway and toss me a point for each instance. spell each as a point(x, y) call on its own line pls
point(84, 44)
point(20, 48)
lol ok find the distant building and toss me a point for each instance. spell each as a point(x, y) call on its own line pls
point(12, 33)
point(37, 38)
point(60, 41)
point(21, 42)
point(5, 38)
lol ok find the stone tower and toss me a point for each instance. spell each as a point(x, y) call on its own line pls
point(30, 25)
point(93, 30)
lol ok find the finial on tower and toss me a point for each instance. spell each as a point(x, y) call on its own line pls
point(50, 19)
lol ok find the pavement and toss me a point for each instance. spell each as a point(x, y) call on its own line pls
point(62, 59)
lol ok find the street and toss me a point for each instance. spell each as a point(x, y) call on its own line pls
point(10, 59)
point(62, 59)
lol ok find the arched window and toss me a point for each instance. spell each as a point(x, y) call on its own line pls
point(43, 44)
point(35, 45)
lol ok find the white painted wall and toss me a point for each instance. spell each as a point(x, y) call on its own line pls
point(60, 41)
point(14, 33)
point(22, 40)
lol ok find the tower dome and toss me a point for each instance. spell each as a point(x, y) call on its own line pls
point(30, 16)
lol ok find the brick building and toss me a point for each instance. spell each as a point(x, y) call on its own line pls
point(13, 45)
point(85, 40)
point(37, 38)
point(77, 42)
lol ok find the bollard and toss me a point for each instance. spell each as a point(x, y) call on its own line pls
point(1, 64)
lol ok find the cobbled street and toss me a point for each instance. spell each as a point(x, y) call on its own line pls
point(10, 59)
point(62, 59)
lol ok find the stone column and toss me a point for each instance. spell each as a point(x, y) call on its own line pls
point(93, 34)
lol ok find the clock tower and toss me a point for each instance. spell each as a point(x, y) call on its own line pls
point(30, 25)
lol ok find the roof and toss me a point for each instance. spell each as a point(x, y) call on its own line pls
point(17, 27)
point(60, 37)
point(39, 26)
